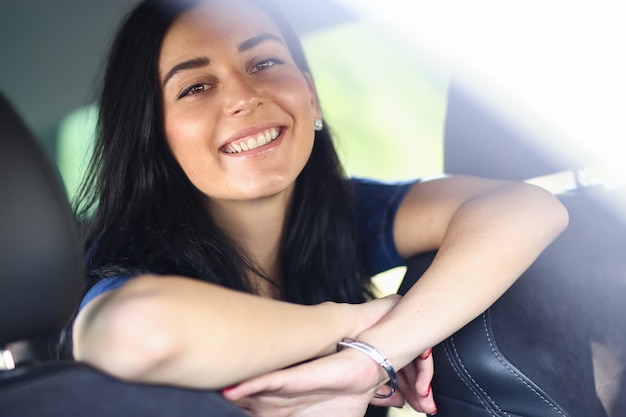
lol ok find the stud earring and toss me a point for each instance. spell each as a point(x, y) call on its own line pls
point(318, 124)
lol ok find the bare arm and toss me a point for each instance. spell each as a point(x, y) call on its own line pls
point(487, 233)
point(185, 332)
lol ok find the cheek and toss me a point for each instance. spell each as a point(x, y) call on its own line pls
point(295, 95)
point(183, 140)
point(172, 138)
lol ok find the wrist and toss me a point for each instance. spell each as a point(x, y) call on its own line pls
point(342, 318)
point(377, 357)
point(366, 373)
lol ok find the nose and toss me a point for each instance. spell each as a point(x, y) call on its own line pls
point(240, 97)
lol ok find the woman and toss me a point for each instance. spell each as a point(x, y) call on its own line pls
point(226, 246)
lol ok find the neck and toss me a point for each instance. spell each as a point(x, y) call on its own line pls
point(257, 227)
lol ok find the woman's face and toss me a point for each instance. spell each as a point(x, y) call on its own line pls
point(238, 113)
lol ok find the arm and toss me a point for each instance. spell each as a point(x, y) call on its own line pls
point(487, 233)
point(185, 332)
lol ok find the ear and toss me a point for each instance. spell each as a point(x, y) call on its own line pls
point(317, 111)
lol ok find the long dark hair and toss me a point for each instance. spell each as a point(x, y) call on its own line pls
point(143, 214)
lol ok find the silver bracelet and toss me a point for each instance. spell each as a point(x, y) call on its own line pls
point(379, 357)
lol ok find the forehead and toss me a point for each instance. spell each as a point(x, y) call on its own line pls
point(219, 21)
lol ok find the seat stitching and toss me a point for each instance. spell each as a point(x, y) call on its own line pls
point(493, 403)
point(458, 373)
point(513, 371)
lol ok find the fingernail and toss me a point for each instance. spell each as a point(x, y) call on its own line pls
point(428, 390)
point(225, 390)
point(428, 353)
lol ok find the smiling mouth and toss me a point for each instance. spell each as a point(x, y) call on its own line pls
point(252, 142)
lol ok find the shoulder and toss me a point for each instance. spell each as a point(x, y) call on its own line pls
point(103, 286)
point(378, 197)
point(376, 205)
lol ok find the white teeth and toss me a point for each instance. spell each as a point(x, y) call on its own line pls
point(261, 139)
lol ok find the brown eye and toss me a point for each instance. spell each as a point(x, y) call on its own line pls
point(194, 89)
point(266, 64)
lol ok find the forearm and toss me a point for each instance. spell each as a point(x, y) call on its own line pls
point(489, 242)
point(186, 332)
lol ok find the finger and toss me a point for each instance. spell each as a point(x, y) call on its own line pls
point(424, 399)
point(425, 404)
point(425, 369)
point(406, 384)
point(426, 354)
point(259, 408)
point(415, 384)
point(273, 381)
point(405, 388)
point(245, 406)
point(411, 373)
point(301, 378)
point(396, 400)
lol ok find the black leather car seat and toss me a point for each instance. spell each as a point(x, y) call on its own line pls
point(40, 286)
point(554, 345)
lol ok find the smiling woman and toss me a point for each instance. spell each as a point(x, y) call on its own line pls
point(364, 110)
point(227, 246)
point(225, 85)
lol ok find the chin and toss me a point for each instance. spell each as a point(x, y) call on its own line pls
point(267, 191)
point(260, 190)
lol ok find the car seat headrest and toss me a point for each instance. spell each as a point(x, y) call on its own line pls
point(40, 254)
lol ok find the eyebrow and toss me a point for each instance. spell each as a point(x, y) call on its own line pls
point(254, 41)
point(203, 61)
point(185, 65)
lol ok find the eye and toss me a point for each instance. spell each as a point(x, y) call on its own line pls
point(266, 64)
point(194, 89)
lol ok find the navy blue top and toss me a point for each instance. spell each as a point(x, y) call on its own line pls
point(376, 207)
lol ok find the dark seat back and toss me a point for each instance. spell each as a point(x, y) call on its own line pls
point(555, 343)
point(40, 258)
point(40, 287)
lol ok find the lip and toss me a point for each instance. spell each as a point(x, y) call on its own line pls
point(252, 132)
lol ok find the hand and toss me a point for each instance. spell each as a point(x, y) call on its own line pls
point(414, 385)
point(340, 384)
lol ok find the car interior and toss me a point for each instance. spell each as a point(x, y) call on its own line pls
point(446, 89)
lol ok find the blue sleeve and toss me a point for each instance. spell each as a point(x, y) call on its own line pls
point(102, 286)
point(376, 207)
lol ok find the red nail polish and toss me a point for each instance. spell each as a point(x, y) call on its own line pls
point(225, 390)
point(428, 353)
point(428, 391)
